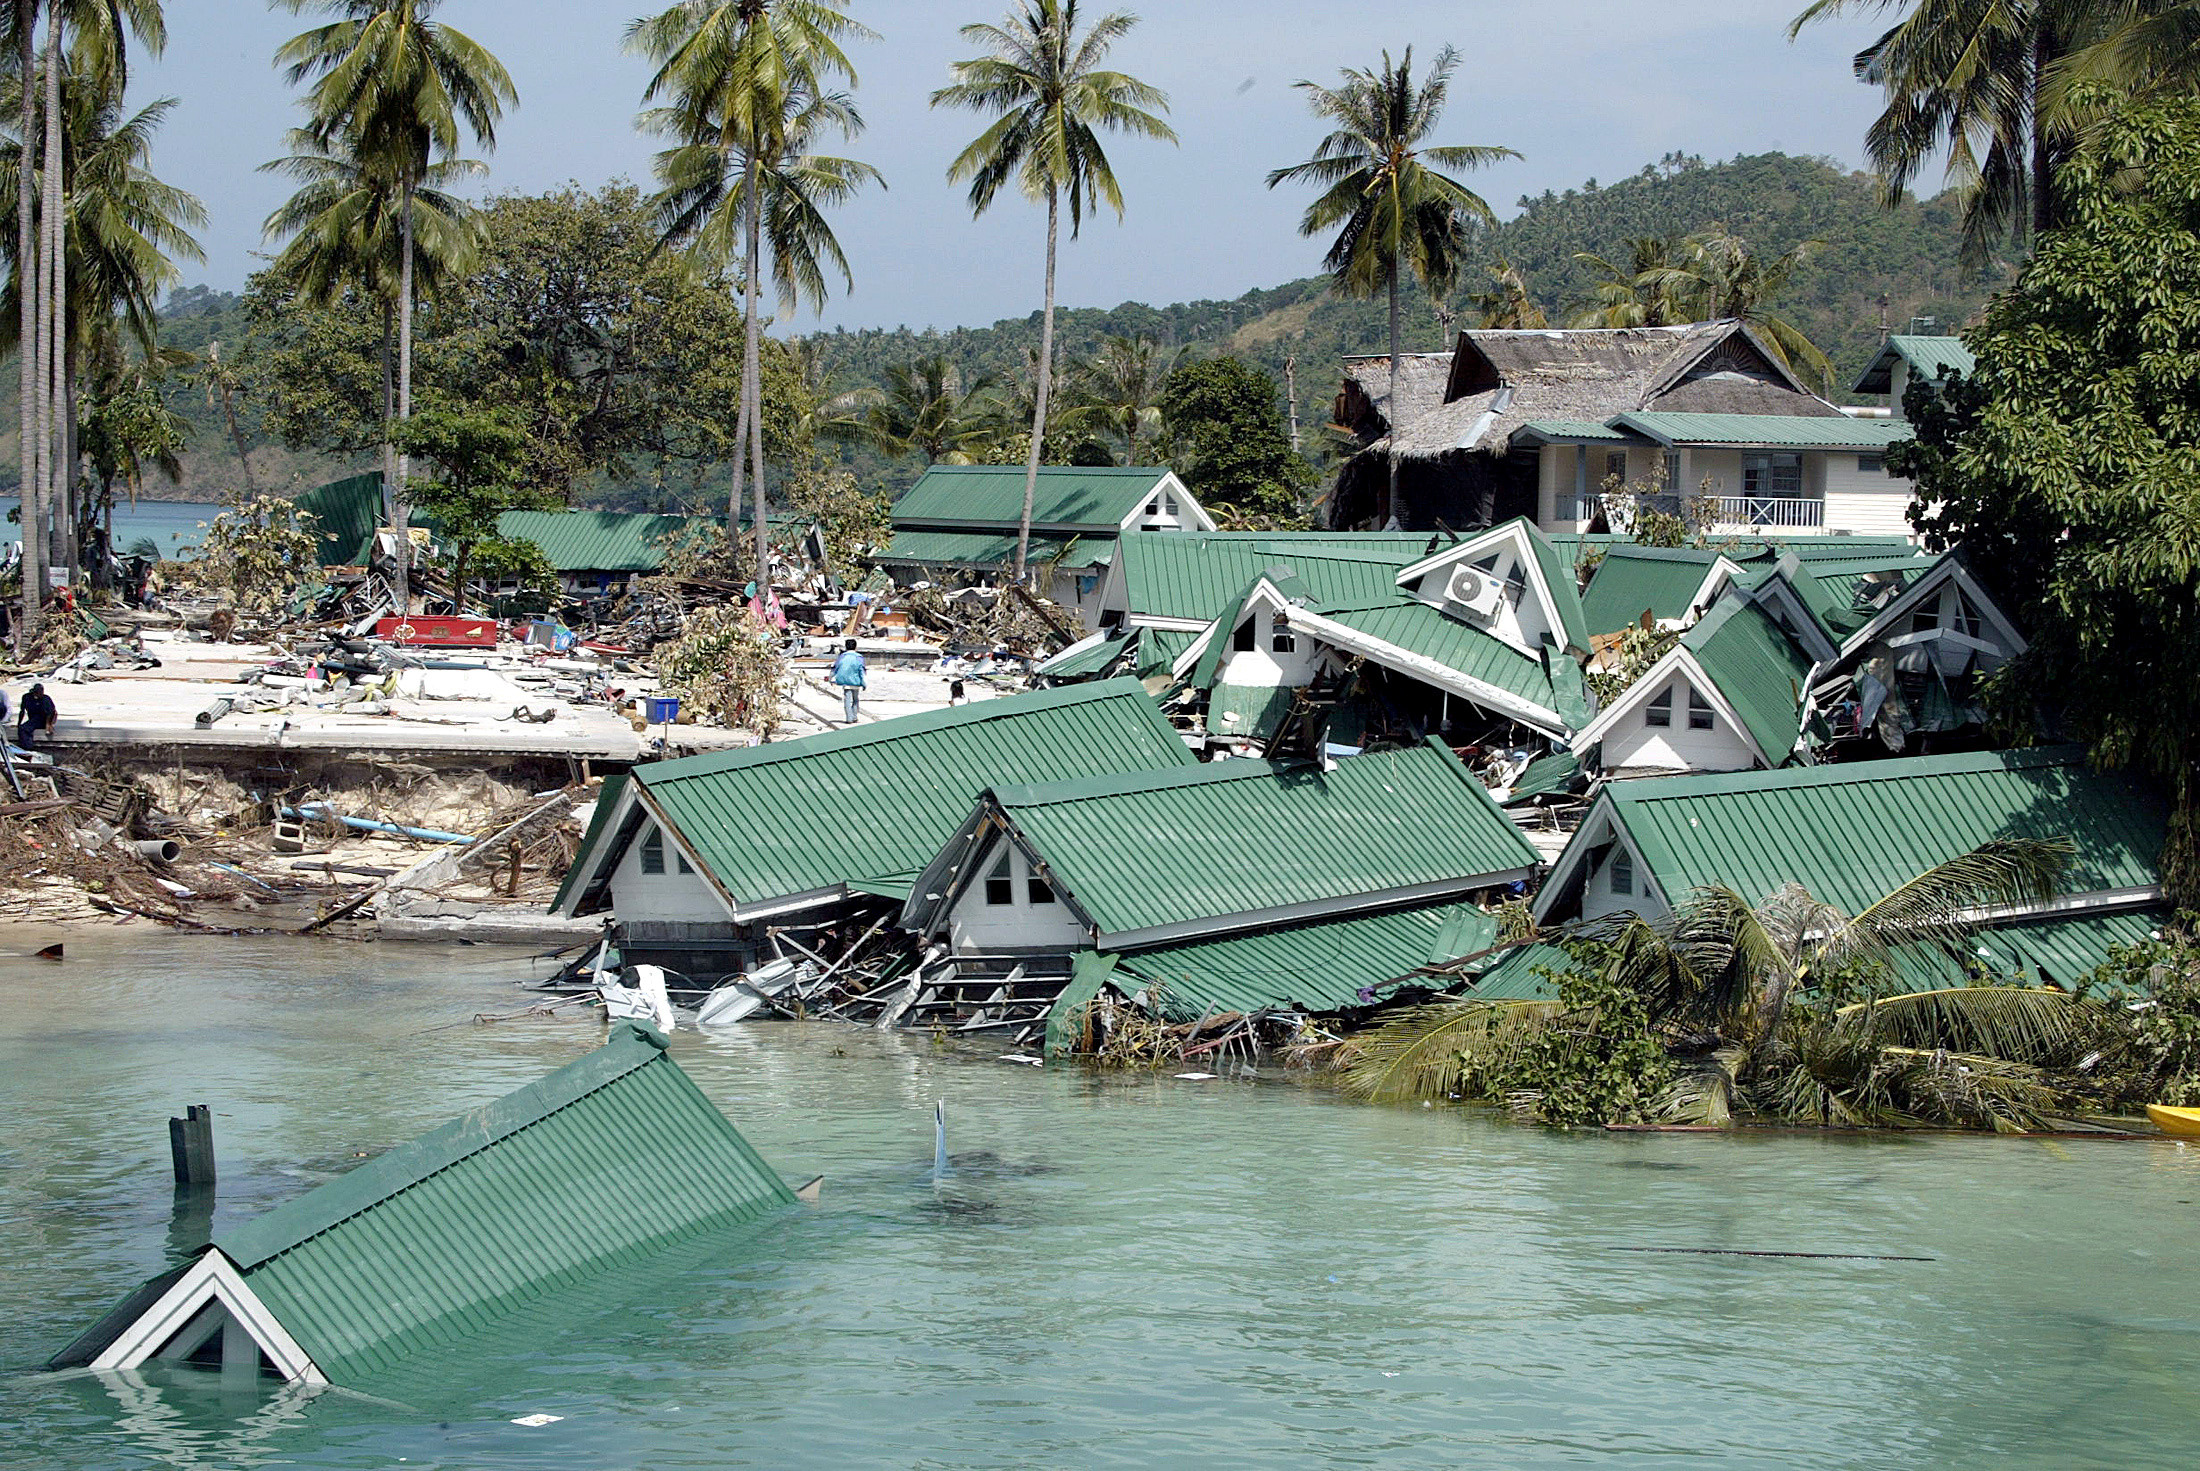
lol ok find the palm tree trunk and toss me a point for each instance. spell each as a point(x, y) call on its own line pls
point(236, 438)
point(2043, 165)
point(52, 309)
point(1389, 501)
point(72, 548)
point(748, 324)
point(752, 392)
point(27, 275)
point(1046, 382)
point(389, 413)
point(458, 579)
point(401, 509)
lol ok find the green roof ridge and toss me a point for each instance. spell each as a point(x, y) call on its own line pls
point(1896, 768)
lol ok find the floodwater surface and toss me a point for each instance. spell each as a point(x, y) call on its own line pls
point(1119, 1271)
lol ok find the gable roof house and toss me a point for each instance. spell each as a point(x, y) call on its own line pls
point(962, 521)
point(1535, 422)
point(1907, 358)
point(392, 1268)
point(690, 857)
point(1854, 832)
point(1233, 885)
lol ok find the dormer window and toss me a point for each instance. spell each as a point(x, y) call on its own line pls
point(1000, 884)
point(1245, 637)
point(1699, 710)
point(1280, 639)
point(1659, 712)
point(1622, 872)
point(653, 851)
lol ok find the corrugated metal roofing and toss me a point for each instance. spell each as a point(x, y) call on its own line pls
point(1925, 355)
point(1096, 498)
point(1571, 429)
point(1758, 669)
point(1233, 838)
point(598, 541)
point(1850, 833)
point(1192, 575)
point(1314, 967)
point(1075, 663)
point(1631, 580)
point(570, 1176)
point(874, 801)
point(2056, 950)
point(342, 516)
point(1773, 431)
point(992, 549)
point(1417, 628)
point(1546, 776)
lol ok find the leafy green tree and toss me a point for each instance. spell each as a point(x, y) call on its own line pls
point(1507, 303)
point(927, 408)
point(1637, 294)
point(2065, 467)
point(1222, 421)
point(1118, 388)
point(480, 459)
point(1042, 83)
point(1384, 192)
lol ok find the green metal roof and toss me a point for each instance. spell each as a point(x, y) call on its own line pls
point(1926, 356)
point(578, 1174)
point(598, 541)
point(1632, 579)
point(874, 801)
point(1559, 571)
point(1234, 838)
point(1248, 709)
point(342, 515)
point(1085, 663)
point(2059, 949)
point(1552, 775)
point(1512, 976)
point(1759, 670)
point(1159, 649)
point(1415, 627)
point(1851, 833)
point(992, 549)
point(1312, 967)
point(1067, 497)
point(1572, 429)
point(1770, 431)
point(1192, 574)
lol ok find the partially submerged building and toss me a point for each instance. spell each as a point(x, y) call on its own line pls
point(1236, 885)
point(692, 858)
point(961, 522)
point(574, 1177)
point(1852, 833)
point(1537, 423)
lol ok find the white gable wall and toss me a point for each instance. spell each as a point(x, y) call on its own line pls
point(978, 926)
point(1633, 743)
point(1618, 884)
point(1264, 666)
point(668, 895)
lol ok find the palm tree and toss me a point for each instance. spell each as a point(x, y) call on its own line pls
point(1041, 82)
point(1755, 1005)
point(1975, 79)
point(1507, 303)
point(1119, 388)
point(1638, 294)
point(1719, 278)
point(224, 385)
point(928, 408)
point(1383, 184)
point(396, 90)
point(753, 192)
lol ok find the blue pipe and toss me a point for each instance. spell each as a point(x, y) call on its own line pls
point(371, 825)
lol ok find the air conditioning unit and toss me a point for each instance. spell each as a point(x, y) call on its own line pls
point(1476, 590)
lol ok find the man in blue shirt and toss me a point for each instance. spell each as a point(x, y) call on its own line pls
point(848, 674)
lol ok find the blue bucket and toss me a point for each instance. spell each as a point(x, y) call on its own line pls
point(663, 709)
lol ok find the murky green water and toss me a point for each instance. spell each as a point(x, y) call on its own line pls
point(1124, 1271)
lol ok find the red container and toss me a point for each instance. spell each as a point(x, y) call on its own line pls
point(424, 631)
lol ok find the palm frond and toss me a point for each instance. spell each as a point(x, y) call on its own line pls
point(1426, 1052)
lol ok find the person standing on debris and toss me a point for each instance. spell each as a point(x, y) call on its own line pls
point(38, 719)
point(848, 674)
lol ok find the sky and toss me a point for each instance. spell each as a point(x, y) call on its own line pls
point(1581, 88)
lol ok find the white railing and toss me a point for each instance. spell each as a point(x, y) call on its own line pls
point(1757, 512)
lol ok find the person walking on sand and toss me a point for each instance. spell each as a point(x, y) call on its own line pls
point(847, 673)
point(38, 717)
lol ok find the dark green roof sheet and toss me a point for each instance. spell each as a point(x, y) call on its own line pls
point(1190, 575)
point(2059, 949)
point(342, 516)
point(1513, 976)
point(874, 801)
point(1074, 663)
point(1852, 832)
point(1234, 838)
point(1926, 356)
point(1248, 709)
point(1560, 574)
point(1417, 628)
point(1631, 580)
point(1552, 775)
point(563, 1180)
point(1159, 649)
point(1759, 670)
point(991, 549)
point(1562, 430)
point(1771, 431)
point(599, 541)
point(1067, 497)
point(1310, 967)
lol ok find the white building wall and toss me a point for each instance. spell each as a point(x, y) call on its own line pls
point(1634, 744)
point(1598, 896)
point(1263, 666)
point(975, 927)
point(1866, 502)
point(668, 895)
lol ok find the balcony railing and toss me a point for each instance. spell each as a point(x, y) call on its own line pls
point(1760, 512)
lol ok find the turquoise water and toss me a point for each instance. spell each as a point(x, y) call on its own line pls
point(173, 525)
point(1122, 1271)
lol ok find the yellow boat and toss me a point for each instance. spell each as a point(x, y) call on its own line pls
point(2174, 1120)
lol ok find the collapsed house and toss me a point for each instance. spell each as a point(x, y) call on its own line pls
point(1235, 886)
point(437, 1240)
point(1671, 586)
point(961, 522)
point(695, 859)
point(1537, 423)
point(1851, 834)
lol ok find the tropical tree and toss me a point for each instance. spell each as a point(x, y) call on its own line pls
point(1385, 193)
point(928, 408)
point(396, 91)
point(1977, 80)
point(1637, 294)
point(1786, 1008)
point(1041, 81)
point(1507, 304)
point(129, 431)
point(1119, 388)
point(1719, 278)
point(224, 385)
point(480, 461)
point(1223, 425)
point(743, 184)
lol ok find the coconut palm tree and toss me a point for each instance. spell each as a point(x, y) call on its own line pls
point(1118, 388)
point(1637, 294)
point(398, 91)
point(1758, 1008)
point(1507, 303)
point(1976, 80)
point(1385, 192)
point(224, 385)
point(928, 408)
point(1041, 81)
point(1719, 278)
